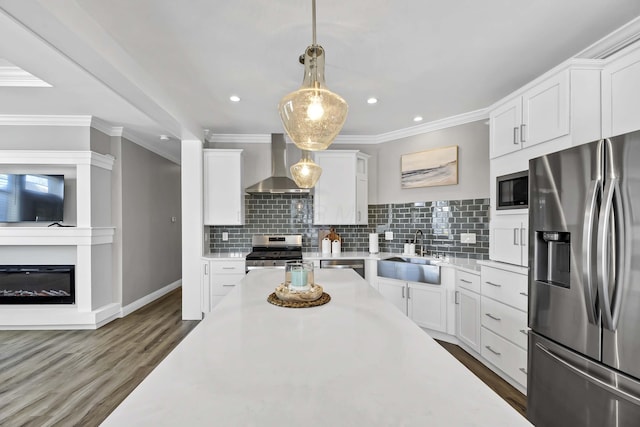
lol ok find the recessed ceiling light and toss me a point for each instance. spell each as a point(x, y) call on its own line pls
point(164, 138)
point(372, 100)
point(234, 98)
point(417, 119)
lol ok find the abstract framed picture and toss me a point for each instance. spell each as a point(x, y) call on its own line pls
point(430, 168)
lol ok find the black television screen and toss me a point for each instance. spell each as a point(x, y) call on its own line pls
point(31, 197)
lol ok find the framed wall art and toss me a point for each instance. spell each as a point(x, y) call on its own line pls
point(430, 168)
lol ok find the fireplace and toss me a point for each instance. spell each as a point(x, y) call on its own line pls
point(37, 284)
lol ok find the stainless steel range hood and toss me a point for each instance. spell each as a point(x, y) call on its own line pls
point(278, 182)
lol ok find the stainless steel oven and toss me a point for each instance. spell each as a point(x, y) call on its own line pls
point(273, 251)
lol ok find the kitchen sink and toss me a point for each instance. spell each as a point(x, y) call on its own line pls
point(410, 269)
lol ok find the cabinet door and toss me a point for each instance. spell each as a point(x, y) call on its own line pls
point(223, 187)
point(205, 286)
point(545, 111)
point(620, 95)
point(505, 124)
point(468, 319)
point(505, 243)
point(394, 291)
point(427, 306)
point(334, 200)
point(362, 206)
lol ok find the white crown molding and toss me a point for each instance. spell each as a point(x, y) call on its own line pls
point(613, 42)
point(105, 127)
point(12, 76)
point(43, 120)
point(50, 157)
point(153, 147)
point(448, 122)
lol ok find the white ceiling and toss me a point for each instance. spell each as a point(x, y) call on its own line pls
point(166, 66)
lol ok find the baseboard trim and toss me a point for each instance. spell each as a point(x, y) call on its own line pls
point(130, 308)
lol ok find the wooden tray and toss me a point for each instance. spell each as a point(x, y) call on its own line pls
point(324, 298)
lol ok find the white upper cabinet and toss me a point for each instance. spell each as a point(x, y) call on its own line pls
point(340, 195)
point(509, 240)
point(223, 187)
point(540, 114)
point(621, 94)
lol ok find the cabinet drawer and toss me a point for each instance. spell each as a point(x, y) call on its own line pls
point(506, 356)
point(227, 267)
point(468, 281)
point(223, 283)
point(505, 321)
point(505, 286)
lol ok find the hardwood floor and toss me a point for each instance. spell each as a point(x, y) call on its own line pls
point(505, 390)
point(77, 378)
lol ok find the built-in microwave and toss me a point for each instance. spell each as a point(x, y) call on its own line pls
point(512, 191)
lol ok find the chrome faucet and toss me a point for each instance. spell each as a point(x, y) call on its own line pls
point(415, 240)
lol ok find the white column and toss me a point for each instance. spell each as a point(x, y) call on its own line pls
point(192, 228)
point(83, 278)
point(83, 196)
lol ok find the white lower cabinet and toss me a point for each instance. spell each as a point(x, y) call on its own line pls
point(425, 304)
point(219, 277)
point(468, 309)
point(503, 316)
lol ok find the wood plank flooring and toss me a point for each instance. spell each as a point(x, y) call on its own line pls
point(77, 378)
point(505, 390)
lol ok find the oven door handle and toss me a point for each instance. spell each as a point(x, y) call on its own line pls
point(256, 267)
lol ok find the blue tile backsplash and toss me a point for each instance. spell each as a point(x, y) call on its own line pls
point(441, 222)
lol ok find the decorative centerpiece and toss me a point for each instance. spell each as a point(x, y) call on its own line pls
point(299, 289)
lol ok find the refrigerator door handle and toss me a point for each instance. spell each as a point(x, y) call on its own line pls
point(588, 266)
point(585, 375)
point(610, 226)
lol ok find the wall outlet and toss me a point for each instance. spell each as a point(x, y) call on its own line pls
point(225, 236)
point(469, 238)
point(388, 235)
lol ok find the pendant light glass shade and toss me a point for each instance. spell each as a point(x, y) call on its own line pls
point(313, 115)
point(306, 173)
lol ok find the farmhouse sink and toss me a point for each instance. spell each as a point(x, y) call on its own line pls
point(410, 269)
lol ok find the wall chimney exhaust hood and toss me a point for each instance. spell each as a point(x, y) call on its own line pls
point(278, 182)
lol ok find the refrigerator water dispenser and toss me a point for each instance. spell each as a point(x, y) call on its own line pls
point(552, 258)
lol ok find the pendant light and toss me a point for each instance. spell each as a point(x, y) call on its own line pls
point(313, 115)
point(305, 173)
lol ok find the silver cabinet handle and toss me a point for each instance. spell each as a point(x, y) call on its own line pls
point(465, 281)
point(524, 332)
point(206, 269)
point(515, 135)
point(516, 236)
point(231, 285)
point(408, 293)
point(524, 294)
point(359, 216)
point(403, 292)
point(523, 237)
point(492, 350)
point(493, 284)
point(524, 371)
point(491, 316)
point(457, 298)
point(522, 129)
point(228, 268)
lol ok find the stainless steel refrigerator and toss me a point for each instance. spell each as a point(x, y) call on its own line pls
point(584, 285)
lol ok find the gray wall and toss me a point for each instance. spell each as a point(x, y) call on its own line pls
point(473, 165)
point(151, 243)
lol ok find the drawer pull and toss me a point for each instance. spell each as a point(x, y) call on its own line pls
point(465, 281)
point(231, 285)
point(524, 294)
point(228, 268)
point(524, 332)
point(492, 350)
point(524, 371)
point(493, 284)
point(492, 317)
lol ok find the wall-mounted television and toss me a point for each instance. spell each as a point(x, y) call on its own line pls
point(31, 197)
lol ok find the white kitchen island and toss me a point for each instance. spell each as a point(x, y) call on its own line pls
point(356, 361)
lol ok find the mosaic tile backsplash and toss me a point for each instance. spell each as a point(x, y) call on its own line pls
point(441, 223)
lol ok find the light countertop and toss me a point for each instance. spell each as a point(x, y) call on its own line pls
point(354, 361)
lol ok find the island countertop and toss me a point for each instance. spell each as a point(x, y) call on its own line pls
point(354, 361)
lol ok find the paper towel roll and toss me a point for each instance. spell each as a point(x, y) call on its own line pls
point(335, 247)
point(373, 243)
point(326, 246)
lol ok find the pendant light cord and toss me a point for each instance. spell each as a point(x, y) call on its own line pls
point(313, 18)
